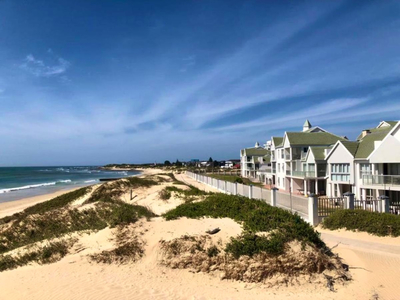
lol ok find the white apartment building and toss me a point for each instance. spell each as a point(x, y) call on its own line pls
point(251, 159)
point(370, 166)
point(298, 160)
point(316, 161)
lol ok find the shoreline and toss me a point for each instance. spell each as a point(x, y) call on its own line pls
point(11, 207)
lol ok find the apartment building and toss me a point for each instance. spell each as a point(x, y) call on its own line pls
point(298, 159)
point(251, 159)
point(370, 166)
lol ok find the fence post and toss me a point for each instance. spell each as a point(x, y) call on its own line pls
point(273, 196)
point(349, 200)
point(385, 204)
point(251, 191)
point(225, 190)
point(235, 188)
point(313, 210)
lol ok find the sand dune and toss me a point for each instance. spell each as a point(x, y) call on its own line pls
point(373, 261)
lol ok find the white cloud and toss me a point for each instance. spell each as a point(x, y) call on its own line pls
point(38, 68)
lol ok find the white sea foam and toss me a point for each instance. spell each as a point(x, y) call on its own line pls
point(64, 181)
point(2, 191)
point(88, 181)
point(32, 186)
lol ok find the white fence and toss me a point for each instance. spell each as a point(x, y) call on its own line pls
point(303, 206)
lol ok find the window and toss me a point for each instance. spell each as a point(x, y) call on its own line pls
point(340, 172)
point(365, 169)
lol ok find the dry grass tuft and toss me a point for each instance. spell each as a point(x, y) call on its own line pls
point(201, 255)
point(129, 248)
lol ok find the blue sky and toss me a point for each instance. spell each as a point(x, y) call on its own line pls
point(95, 82)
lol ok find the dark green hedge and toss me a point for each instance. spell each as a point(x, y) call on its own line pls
point(380, 224)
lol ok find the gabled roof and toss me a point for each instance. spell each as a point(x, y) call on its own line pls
point(319, 152)
point(315, 129)
point(367, 143)
point(387, 123)
point(351, 146)
point(277, 141)
point(256, 151)
point(313, 138)
point(383, 126)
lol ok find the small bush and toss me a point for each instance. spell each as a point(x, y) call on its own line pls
point(250, 244)
point(213, 251)
point(164, 194)
point(372, 222)
point(130, 251)
point(239, 180)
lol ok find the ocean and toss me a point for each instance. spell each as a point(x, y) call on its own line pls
point(22, 182)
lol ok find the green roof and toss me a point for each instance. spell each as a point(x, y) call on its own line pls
point(256, 151)
point(392, 123)
point(319, 152)
point(367, 143)
point(277, 140)
point(313, 138)
point(267, 158)
point(377, 130)
point(351, 146)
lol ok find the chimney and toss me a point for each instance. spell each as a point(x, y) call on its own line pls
point(365, 133)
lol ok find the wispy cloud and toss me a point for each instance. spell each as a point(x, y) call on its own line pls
point(39, 68)
point(188, 62)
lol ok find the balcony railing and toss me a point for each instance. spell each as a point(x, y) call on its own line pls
point(383, 180)
point(304, 174)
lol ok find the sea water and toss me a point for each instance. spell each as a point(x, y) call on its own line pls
point(22, 182)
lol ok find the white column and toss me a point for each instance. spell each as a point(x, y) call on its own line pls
point(273, 196)
point(316, 186)
point(305, 187)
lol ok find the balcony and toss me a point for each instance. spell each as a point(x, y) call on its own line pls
point(287, 156)
point(382, 180)
point(304, 174)
point(288, 172)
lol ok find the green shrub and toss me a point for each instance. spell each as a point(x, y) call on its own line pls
point(164, 194)
point(380, 224)
point(254, 215)
point(250, 244)
point(239, 180)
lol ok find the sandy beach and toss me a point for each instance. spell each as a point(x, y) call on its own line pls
point(373, 263)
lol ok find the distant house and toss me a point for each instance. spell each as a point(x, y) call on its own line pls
point(228, 164)
point(250, 160)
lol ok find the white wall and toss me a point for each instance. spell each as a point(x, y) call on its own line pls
point(389, 149)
